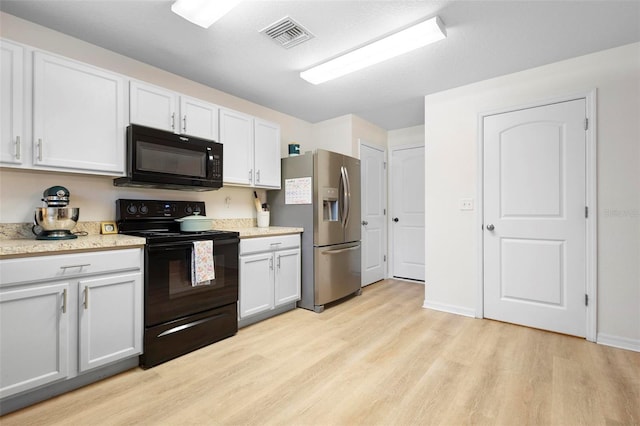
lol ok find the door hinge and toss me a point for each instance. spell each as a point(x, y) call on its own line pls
point(586, 211)
point(384, 165)
point(384, 212)
point(586, 123)
point(384, 258)
point(586, 300)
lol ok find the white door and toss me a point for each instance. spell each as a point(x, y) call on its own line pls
point(534, 217)
point(256, 284)
point(407, 204)
point(107, 335)
point(373, 201)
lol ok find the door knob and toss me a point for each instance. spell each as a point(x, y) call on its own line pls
point(395, 219)
point(365, 223)
point(490, 227)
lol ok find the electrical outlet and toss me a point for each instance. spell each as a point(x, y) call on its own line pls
point(466, 204)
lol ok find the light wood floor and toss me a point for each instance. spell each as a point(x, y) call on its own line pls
point(377, 359)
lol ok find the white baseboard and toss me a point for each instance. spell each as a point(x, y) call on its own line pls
point(618, 342)
point(452, 309)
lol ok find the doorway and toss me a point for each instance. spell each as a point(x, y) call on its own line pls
point(407, 199)
point(373, 207)
point(536, 189)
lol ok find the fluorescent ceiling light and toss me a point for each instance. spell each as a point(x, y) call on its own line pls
point(389, 47)
point(203, 12)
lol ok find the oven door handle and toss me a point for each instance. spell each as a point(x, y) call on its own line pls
point(189, 325)
point(169, 247)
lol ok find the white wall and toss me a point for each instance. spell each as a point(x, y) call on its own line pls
point(21, 190)
point(451, 134)
point(407, 136)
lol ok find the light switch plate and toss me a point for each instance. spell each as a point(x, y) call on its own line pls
point(466, 204)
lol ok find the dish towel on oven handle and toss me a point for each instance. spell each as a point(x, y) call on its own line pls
point(202, 268)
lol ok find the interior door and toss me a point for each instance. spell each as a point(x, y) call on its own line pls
point(373, 205)
point(534, 217)
point(407, 201)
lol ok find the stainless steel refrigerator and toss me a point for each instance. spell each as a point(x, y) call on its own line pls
point(321, 193)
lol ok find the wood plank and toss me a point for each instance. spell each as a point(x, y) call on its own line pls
point(377, 359)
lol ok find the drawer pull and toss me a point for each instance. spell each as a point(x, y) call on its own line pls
point(275, 244)
point(75, 266)
point(86, 297)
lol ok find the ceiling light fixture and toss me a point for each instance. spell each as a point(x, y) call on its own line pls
point(203, 12)
point(404, 41)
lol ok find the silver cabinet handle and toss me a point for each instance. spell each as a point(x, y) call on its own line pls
point(184, 124)
point(365, 223)
point(490, 227)
point(279, 261)
point(173, 121)
point(86, 297)
point(17, 147)
point(39, 146)
point(275, 244)
point(75, 266)
point(64, 301)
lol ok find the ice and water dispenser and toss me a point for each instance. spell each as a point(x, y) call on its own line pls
point(330, 204)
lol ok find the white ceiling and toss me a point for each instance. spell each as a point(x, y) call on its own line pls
point(485, 39)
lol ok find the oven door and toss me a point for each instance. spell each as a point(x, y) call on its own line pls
point(169, 294)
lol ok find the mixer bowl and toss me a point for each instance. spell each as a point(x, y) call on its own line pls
point(57, 218)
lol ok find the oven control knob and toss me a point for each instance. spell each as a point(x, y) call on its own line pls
point(144, 209)
point(132, 209)
point(188, 210)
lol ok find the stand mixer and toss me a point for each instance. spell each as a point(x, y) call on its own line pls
point(56, 220)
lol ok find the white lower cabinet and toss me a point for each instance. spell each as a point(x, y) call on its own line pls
point(269, 274)
point(63, 315)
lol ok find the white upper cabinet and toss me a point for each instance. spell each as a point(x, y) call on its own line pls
point(156, 107)
point(236, 133)
point(251, 150)
point(153, 106)
point(12, 136)
point(78, 116)
point(198, 118)
point(266, 154)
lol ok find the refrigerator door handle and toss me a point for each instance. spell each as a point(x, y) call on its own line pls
point(347, 197)
point(343, 190)
point(338, 251)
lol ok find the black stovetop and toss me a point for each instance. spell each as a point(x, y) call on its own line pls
point(155, 220)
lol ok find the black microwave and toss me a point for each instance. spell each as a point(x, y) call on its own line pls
point(161, 159)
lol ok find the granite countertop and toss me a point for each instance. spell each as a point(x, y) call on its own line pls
point(254, 231)
point(32, 247)
point(16, 240)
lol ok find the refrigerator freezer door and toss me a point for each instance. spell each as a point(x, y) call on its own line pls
point(328, 200)
point(337, 272)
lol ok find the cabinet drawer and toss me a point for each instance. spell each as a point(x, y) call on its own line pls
point(256, 245)
point(28, 269)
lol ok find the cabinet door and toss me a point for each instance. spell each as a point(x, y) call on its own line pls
point(256, 284)
point(34, 338)
point(267, 154)
point(78, 116)
point(198, 118)
point(153, 106)
point(110, 319)
point(287, 277)
point(11, 103)
point(236, 133)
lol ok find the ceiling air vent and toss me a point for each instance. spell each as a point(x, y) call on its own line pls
point(287, 32)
